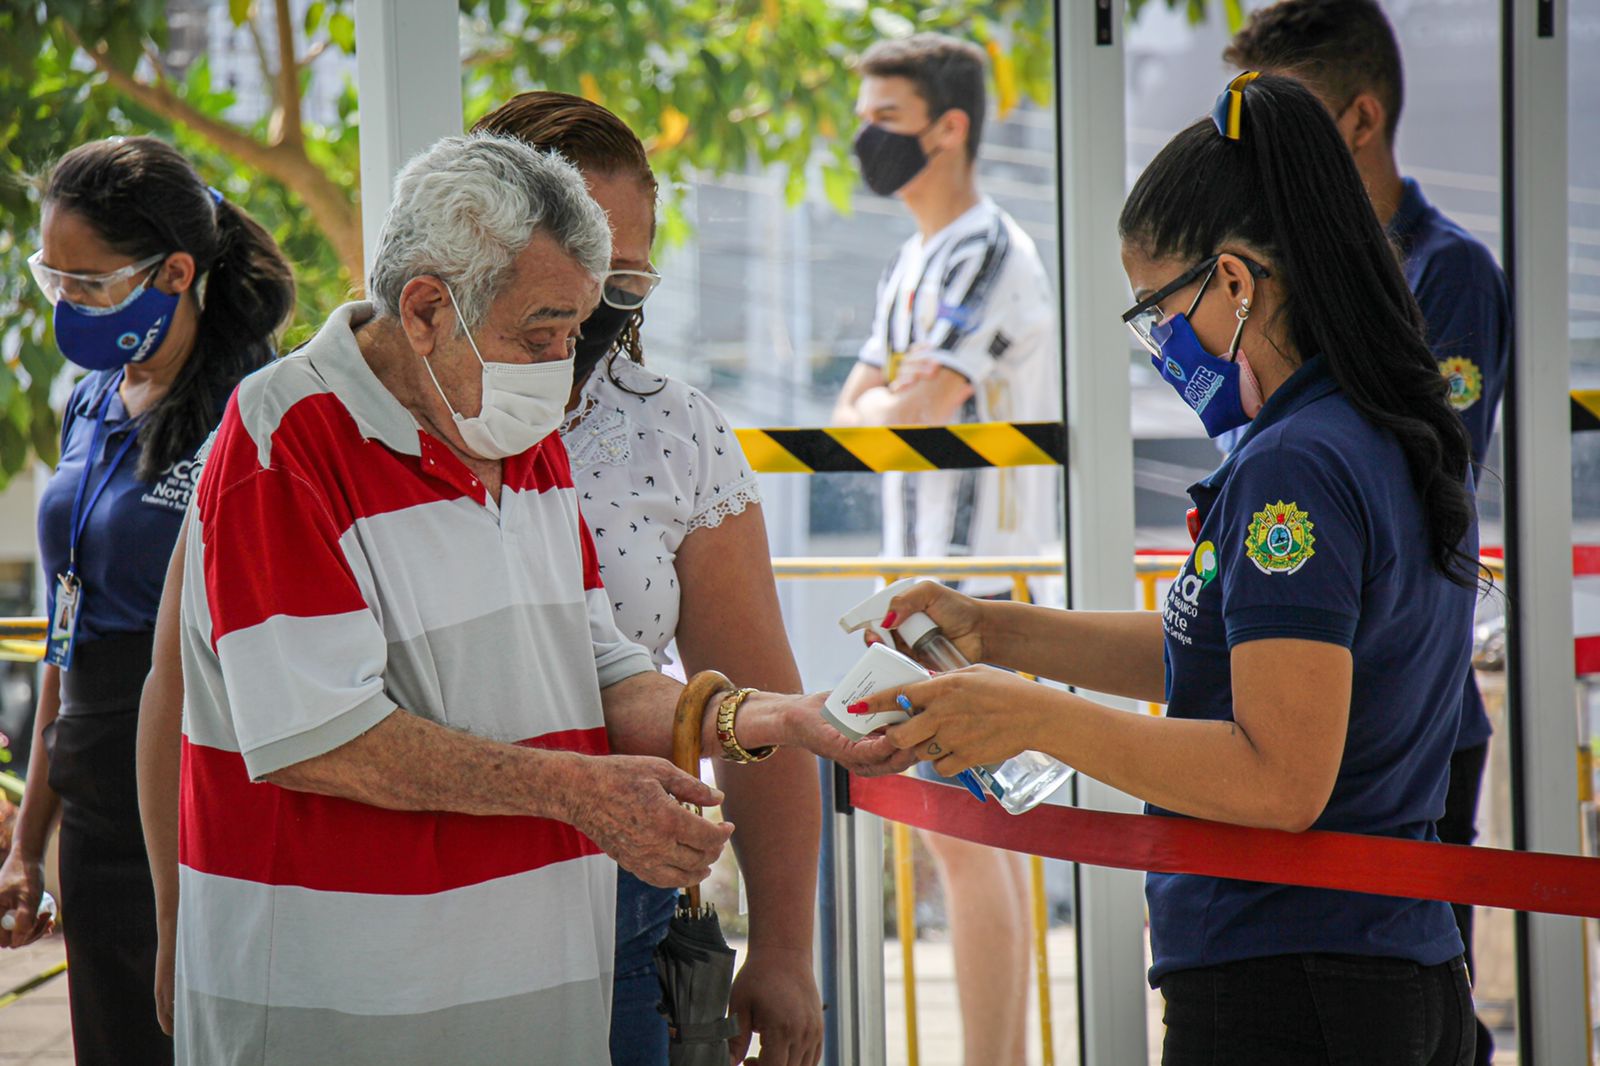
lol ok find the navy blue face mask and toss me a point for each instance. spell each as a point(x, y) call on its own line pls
point(104, 338)
point(1223, 392)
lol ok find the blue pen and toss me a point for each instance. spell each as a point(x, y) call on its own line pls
point(966, 777)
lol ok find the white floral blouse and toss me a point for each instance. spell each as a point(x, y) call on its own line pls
point(653, 461)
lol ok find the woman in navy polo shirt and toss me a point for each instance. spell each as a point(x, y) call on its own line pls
point(1312, 648)
point(168, 295)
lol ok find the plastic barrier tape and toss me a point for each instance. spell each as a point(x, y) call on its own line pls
point(876, 449)
point(961, 446)
point(1585, 410)
point(1385, 866)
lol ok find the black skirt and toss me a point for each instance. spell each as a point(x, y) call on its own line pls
point(107, 903)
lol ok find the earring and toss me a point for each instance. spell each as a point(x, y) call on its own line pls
point(1241, 314)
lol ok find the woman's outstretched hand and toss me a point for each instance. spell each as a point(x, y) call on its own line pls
point(971, 717)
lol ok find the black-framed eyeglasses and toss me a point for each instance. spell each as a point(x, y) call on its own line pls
point(627, 290)
point(1143, 317)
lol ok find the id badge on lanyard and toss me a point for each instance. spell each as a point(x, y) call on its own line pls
point(68, 606)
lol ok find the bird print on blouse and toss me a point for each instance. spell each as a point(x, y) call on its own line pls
point(658, 461)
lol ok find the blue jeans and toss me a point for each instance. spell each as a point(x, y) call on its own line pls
point(638, 1031)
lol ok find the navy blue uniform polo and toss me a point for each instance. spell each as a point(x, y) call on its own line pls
point(129, 536)
point(1313, 530)
point(1467, 308)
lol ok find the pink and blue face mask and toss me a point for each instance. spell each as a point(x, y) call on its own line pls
point(1221, 390)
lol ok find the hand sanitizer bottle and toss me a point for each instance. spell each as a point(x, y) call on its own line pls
point(1020, 783)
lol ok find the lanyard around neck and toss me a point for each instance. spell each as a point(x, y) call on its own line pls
point(81, 510)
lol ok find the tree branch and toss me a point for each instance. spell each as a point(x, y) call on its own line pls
point(313, 53)
point(328, 203)
point(288, 77)
point(268, 78)
point(162, 100)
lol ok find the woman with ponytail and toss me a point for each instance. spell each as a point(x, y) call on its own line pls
point(168, 295)
point(1311, 649)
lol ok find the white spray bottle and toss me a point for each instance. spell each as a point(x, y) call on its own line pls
point(1020, 783)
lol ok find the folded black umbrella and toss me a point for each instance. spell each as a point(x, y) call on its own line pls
point(694, 962)
point(695, 965)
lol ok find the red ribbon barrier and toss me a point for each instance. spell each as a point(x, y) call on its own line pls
point(1385, 866)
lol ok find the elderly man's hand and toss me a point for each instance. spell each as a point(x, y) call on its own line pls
point(871, 756)
point(632, 807)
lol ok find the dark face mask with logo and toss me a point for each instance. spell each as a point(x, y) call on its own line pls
point(104, 338)
point(600, 332)
point(890, 160)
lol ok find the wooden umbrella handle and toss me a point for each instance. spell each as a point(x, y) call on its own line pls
point(687, 721)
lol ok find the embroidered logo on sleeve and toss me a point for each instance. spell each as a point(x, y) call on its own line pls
point(1466, 381)
point(1279, 539)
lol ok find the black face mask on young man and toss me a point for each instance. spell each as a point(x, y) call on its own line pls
point(889, 160)
point(600, 332)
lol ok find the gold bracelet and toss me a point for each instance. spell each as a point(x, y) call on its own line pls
point(732, 750)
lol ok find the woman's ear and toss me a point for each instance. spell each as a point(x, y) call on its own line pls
point(176, 276)
point(1241, 284)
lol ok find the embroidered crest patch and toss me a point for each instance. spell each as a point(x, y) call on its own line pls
point(1279, 539)
point(1466, 381)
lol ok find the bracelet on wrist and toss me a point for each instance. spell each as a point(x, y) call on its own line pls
point(727, 715)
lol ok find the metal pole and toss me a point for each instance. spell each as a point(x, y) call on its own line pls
point(1039, 905)
point(905, 909)
point(408, 82)
point(858, 896)
point(1091, 158)
point(828, 938)
point(1550, 993)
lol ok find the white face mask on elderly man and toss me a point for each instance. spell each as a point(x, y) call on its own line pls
point(523, 403)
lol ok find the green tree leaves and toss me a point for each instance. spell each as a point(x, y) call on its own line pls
point(710, 85)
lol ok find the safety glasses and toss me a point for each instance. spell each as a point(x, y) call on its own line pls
point(1143, 317)
point(627, 290)
point(88, 291)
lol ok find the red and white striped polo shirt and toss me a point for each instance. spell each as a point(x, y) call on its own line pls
point(343, 564)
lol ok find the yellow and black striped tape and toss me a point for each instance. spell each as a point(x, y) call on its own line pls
point(877, 449)
point(1585, 410)
point(964, 446)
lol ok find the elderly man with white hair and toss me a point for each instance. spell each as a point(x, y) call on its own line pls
point(403, 677)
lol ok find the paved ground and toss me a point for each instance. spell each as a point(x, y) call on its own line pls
point(35, 1029)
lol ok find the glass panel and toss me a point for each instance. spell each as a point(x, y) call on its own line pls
point(1583, 220)
point(766, 307)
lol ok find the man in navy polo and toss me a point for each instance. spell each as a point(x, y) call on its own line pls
point(1345, 51)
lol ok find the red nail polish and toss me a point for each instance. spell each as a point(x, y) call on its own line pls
point(889, 620)
point(858, 707)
